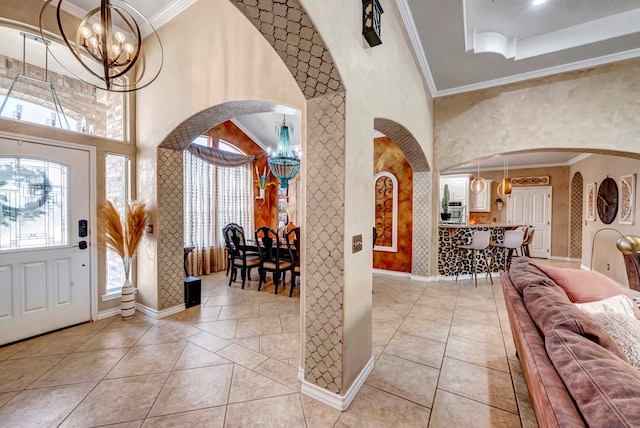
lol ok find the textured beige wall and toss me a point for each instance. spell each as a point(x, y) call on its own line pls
point(380, 82)
point(594, 169)
point(594, 108)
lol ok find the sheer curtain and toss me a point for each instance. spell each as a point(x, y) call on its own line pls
point(213, 197)
point(235, 199)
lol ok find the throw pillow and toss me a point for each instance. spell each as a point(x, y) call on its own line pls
point(551, 309)
point(625, 331)
point(583, 286)
point(620, 304)
point(604, 387)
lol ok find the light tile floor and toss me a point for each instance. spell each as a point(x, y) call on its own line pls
point(444, 358)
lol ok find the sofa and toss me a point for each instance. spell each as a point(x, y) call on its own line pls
point(576, 373)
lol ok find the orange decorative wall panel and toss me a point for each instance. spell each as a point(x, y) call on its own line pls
point(265, 211)
point(388, 157)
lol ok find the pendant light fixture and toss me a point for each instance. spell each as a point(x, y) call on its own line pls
point(109, 44)
point(478, 184)
point(504, 188)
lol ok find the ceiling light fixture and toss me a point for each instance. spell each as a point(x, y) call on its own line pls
point(108, 45)
point(284, 164)
point(478, 184)
point(538, 2)
point(504, 188)
point(54, 95)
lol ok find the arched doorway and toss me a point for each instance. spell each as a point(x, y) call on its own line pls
point(419, 186)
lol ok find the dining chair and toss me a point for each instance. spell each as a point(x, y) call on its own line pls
point(293, 242)
point(238, 254)
point(274, 257)
point(227, 245)
point(479, 242)
point(513, 240)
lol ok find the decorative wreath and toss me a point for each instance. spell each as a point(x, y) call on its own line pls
point(38, 183)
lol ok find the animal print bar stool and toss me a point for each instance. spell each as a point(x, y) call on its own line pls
point(479, 242)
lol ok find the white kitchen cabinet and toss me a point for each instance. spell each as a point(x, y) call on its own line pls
point(481, 203)
point(458, 187)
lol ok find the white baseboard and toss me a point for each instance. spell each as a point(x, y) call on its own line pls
point(424, 278)
point(159, 314)
point(565, 259)
point(108, 313)
point(583, 267)
point(338, 402)
point(392, 273)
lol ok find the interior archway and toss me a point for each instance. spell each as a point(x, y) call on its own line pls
point(421, 189)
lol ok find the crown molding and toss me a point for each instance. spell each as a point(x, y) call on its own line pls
point(249, 134)
point(592, 62)
point(410, 25)
point(579, 158)
point(570, 162)
point(169, 12)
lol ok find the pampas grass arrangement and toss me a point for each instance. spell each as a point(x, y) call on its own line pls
point(123, 237)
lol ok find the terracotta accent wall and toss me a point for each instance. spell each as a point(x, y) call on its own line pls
point(559, 182)
point(265, 211)
point(388, 157)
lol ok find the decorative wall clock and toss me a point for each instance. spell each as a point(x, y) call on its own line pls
point(607, 200)
point(591, 202)
point(627, 199)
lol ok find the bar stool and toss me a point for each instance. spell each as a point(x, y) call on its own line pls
point(528, 239)
point(513, 240)
point(479, 242)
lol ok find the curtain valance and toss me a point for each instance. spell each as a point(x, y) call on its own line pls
point(219, 157)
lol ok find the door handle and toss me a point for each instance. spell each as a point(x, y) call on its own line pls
point(82, 245)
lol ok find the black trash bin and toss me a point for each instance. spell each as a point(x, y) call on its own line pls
point(192, 290)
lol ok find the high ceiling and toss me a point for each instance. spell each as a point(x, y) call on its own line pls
point(463, 45)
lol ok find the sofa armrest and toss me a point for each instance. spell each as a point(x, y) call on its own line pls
point(551, 402)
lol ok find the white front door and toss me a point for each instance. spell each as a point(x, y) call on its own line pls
point(531, 206)
point(45, 277)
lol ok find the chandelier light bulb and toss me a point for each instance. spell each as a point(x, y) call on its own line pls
point(120, 37)
point(128, 48)
point(86, 32)
point(98, 28)
point(94, 42)
point(116, 50)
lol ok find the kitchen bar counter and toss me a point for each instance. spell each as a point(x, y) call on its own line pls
point(452, 235)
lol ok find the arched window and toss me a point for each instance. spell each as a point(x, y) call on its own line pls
point(385, 189)
point(224, 146)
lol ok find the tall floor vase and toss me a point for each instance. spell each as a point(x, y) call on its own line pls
point(128, 301)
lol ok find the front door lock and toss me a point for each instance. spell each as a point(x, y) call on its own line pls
point(82, 245)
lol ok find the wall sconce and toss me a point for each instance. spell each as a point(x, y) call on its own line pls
point(499, 204)
point(371, 14)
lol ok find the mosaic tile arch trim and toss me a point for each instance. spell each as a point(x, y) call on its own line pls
point(577, 186)
point(405, 141)
point(201, 122)
point(287, 27)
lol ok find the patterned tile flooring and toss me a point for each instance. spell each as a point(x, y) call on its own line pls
point(444, 357)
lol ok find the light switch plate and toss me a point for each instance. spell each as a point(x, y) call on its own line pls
point(356, 243)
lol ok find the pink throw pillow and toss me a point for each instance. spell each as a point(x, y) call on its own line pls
point(584, 286)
